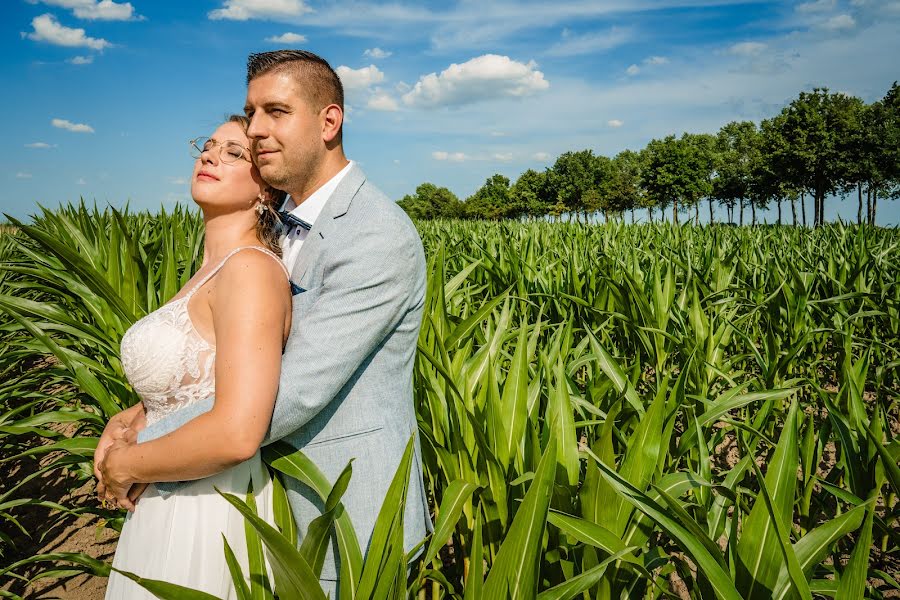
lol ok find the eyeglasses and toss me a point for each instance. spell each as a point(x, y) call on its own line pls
point(229, 150)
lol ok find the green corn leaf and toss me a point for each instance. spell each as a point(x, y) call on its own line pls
point(293, 576)
point(718, 578)
point(853, 579)
point(456, 496)
point(237, 577)
point(293, 463)
point(760, 549)
point(318, 534)
point(386, 544)
point(475, 579)
point(514, 569)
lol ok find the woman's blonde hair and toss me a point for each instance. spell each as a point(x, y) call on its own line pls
point(268, 226)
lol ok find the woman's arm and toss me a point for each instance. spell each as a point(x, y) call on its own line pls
point(250, 303)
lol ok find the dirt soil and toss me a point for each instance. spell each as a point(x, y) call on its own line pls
point(66, 533)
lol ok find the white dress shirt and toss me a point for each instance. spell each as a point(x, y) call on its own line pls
point(308, 210)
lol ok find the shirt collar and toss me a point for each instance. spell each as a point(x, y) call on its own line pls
point(309, 209)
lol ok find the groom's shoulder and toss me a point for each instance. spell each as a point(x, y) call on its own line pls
point(376, 211)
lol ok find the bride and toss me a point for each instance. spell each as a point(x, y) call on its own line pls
point(222, 334)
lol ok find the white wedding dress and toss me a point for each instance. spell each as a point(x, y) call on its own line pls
point(178, 538)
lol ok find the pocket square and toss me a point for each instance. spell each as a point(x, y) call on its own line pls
point(296, 289)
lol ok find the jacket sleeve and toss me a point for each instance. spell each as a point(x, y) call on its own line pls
point(368, 287)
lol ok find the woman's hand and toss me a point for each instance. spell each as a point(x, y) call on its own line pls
point(118, 486)
point(122, 427)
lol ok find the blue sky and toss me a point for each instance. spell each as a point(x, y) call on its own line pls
point(101, 96)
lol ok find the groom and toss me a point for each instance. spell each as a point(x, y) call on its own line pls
point(358, 278)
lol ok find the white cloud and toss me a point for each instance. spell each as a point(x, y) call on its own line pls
point(287, 38)
point(177, 180)
point(91, 10)
point(839, 23)
point(359, 79)
point(650, 61)
point(40, 145)
point(815, 6)
point(747, 48)
point(485, 77)
point(615, 123)
point(81, 181)
point(73, 127)
point(498, 134)
point(47, 29)
point(450, 156)
point(540, 156)
point(376, 53)
point(502, 156)
point(21, 175)
point(80, 60)
point(590, 43)
point(382, 101)
point(242, 10)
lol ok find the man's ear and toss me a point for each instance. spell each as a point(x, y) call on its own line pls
point(332, 120)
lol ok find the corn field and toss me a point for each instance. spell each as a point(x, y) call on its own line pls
point(615, 411)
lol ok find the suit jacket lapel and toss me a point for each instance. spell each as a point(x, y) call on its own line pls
point(335, 208)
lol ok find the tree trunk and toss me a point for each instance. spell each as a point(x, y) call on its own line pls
point(753, 210)
point(711, 219)
point(632, 214)
point(859, 220)
point(675, 211)
point(874, 205)
point(742, 212)
point(697, 213)
point(794, 210)
point(803, 207)
point(779, 211)
point(869, 204)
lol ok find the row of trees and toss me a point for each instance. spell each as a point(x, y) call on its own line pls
point(821, 144)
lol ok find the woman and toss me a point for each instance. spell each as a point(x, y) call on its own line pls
point(223, 334)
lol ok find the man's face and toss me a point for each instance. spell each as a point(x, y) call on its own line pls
point(285, 133)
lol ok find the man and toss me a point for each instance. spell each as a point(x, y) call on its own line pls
point(358, 275)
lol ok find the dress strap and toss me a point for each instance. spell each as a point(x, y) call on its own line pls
point(221, 264)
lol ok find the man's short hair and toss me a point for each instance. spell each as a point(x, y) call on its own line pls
point(319, 81)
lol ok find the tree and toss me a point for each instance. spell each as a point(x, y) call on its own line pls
point(491, 201)
point(570, 177)
point(736, 146)
point(877, 149)
point(815, 125)
point(622, 190)
point(678, 170)
point(528, 196)
point(702, 159)
point(431, 202)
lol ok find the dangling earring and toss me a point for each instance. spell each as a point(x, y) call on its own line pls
point(260, 209)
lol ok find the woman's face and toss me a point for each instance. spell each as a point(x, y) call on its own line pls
point(226, 186)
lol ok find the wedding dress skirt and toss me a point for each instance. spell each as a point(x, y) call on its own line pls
point(178, 538)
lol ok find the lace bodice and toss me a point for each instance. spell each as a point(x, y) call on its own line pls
point(168, 363)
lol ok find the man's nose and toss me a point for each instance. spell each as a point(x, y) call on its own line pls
point(256, 130)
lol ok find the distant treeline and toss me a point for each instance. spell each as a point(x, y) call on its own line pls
point(821, 144)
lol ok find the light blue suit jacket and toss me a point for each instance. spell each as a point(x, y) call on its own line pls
point(346, 375)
